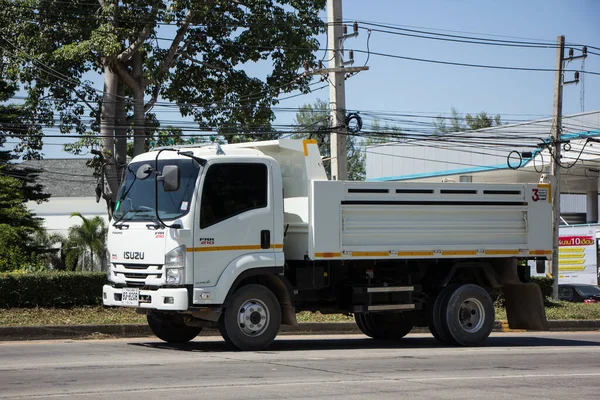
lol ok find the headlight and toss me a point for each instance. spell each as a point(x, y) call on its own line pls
point(176, 258)
point(174, 276)
point(174, 265)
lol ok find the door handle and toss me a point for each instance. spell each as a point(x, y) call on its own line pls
point(265, 239)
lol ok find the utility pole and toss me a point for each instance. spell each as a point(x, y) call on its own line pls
point(337, 71)
point(559, 82)
point(337, 93)
point(555, 171)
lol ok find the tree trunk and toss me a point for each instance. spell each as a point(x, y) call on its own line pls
point(121, 132)
point(107, 127)
point(139, 119)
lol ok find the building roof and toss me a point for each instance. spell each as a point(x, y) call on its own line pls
point(65, 177)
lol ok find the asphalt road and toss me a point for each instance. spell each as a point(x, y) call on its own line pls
point(510, 366)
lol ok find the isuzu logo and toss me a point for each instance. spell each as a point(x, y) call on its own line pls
point(133, 255)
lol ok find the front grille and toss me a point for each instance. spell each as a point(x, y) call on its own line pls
point(137, 275)
point(141, 276)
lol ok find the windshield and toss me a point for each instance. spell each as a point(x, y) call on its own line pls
point(136, 199)
point(588, 290)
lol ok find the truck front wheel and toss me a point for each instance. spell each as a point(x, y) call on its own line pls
point(384, 326)
point(251, 319)
point(171, 328)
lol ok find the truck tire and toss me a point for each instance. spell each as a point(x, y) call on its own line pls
point(437, 316)
point(251, 319)
point(171, 329)
point(469, 316)
point(384, 326)
point(363, 325)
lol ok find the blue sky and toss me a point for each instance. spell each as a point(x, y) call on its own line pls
point(393, 85)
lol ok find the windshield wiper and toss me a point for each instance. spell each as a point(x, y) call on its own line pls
point(134, 211)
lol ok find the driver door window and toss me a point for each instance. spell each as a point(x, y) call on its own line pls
point(232, 189)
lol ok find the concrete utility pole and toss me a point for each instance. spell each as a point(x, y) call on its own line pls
point(337, 88)
point(337, 93)
point(556, 132)
point(559, 82)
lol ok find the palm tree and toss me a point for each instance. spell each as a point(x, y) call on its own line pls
point(89, 237)
point(51, 249)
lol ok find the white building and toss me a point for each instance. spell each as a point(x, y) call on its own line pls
point(496, 155)
point(71, 185)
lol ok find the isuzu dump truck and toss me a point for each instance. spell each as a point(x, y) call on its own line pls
point(242, 237)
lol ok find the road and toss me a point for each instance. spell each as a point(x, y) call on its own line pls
point(511, 365)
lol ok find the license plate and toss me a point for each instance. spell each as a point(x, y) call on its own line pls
point(130, 297)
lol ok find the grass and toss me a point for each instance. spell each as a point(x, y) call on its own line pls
point(105, 315)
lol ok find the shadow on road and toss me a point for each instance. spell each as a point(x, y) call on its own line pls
point(282, 344)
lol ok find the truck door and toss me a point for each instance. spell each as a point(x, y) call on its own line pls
point(236, 220)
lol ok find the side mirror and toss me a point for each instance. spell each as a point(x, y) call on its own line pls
point(170, 178)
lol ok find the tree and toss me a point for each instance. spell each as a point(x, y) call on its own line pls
point(17, 225)
point(17, 185)
point(383, 134)
point(52, 249)
point(457, 122)
point(89, 239)
point(313, 122)
point(482, 120)
point(200, 67)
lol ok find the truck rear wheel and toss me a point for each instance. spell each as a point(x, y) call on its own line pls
point(171, 328)
point(437, 317)
point(251, 319)
point(469, 315)
point(384, 326)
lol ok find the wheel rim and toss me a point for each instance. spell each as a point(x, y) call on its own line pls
point(253, 317)
point(471, 315)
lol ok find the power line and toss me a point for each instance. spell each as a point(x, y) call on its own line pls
point(467, 64)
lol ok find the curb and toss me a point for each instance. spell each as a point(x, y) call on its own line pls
point(12, 333)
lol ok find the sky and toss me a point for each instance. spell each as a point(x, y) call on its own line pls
point(396, 86)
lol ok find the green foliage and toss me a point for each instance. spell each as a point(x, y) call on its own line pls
point(87, 239)
point(52, 47)
point(545, 284)
point(469, 122)
point(12, 253)
point(313, 122)
point(383, 134)
point(56, 289)
point(17, 226)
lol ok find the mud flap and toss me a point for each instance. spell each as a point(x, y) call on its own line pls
point(525, 306)
point(524, 302)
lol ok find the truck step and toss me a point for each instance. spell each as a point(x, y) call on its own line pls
point(384, 307)
point(385, 289)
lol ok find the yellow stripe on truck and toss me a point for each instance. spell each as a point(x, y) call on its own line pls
point(230, 248)
point(327, 255)
point(540, 252)
point(459, 252)
point(502, 252)
point(370, 253)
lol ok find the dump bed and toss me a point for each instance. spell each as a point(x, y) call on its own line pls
point(350, 220)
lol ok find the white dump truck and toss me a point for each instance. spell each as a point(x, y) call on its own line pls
point(241, 237)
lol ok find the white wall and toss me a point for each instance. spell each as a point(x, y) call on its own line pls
point(56, 212)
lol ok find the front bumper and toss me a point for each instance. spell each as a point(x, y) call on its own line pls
point(160, 299)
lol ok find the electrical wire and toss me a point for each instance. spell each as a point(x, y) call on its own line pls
point(500, 67)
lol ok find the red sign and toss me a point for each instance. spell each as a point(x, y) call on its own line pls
point(576, 241)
